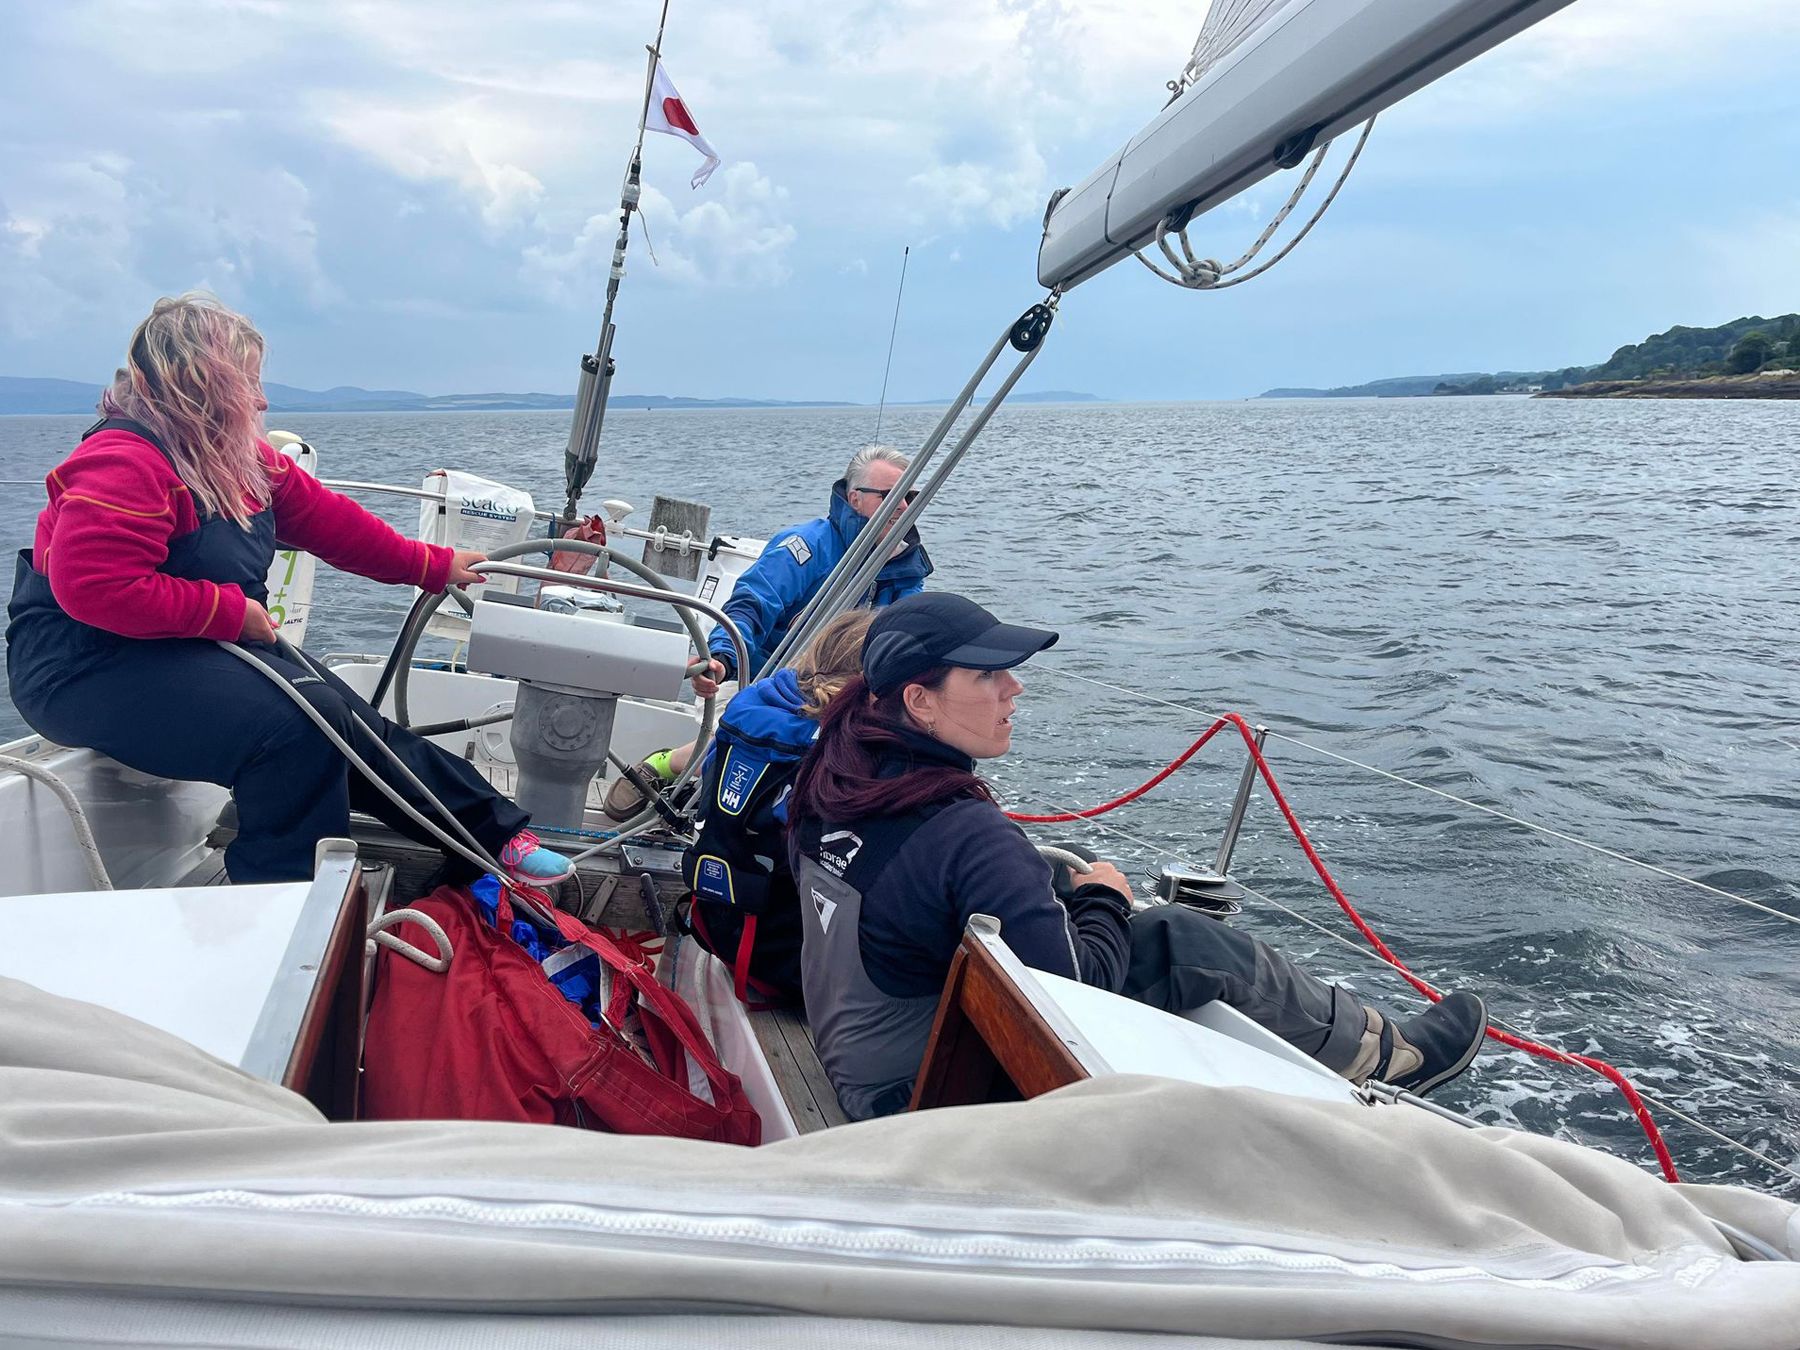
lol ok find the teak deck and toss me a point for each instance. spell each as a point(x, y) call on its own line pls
point(787, 1045)
point(996, 1037)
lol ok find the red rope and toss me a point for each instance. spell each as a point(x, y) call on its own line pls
point(1131, 796)
point(1599, 1066)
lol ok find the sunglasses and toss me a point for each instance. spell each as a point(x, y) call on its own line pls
point(912, 494)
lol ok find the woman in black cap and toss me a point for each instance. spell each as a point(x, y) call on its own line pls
point(896, 842)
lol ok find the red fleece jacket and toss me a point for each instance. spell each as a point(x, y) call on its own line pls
point(116, 503)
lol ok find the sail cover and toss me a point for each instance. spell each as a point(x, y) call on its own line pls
point(151, 1194)
point(1268, 79)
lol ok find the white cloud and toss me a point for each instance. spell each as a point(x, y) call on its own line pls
point(93, 239)
point(65, 244)
point(999, 193)
point(183, 40)
point(1597, 51)
point(738, 237)
point(378, 156)
point(472, 143)
point(269, 230)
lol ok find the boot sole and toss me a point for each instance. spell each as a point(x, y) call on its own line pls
point(1468, 1057)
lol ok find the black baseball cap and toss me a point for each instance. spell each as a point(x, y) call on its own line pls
point(924, 631)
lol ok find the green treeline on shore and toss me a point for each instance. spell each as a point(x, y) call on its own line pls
point(1741, 347)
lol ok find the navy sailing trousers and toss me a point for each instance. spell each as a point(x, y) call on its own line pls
point(182, 708)
point(1181, 959)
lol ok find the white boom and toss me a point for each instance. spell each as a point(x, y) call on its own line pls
point(1312, 69)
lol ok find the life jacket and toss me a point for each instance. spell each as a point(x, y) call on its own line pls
point(870, 1042)
point(744, 909)
point(45, 645)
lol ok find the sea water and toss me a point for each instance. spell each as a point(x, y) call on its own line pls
point(1581, 613)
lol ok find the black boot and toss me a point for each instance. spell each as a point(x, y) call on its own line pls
point(1427, 1051)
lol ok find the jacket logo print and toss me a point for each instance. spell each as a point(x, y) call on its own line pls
point(795, 545)
point(737, 782)
point(837, 859)
point(713, 878)
point(825, 906)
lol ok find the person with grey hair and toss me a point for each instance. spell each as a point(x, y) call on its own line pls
point(775, 589)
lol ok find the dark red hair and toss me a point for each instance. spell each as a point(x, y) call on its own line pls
point(838, 779)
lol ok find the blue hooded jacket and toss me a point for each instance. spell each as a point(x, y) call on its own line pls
point(775, 588)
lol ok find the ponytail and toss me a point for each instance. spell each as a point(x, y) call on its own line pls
point(839, 780)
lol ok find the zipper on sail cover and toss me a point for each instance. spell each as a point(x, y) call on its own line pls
point(891, 1244)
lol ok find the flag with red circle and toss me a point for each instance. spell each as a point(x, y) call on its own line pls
point(668, 114)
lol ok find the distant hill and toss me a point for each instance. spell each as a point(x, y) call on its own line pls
point(19, 395)
point(1740, 347)
point(68, 396)
point(1054, 396)
point(1403, 386)
point(46, 396)
point(1038, 396)
point(1725, 350)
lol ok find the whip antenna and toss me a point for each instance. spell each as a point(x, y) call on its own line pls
point(882, 408)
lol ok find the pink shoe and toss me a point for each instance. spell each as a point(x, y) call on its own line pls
point(530, 862)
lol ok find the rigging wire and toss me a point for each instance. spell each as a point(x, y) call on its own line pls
point(905, 255)
point(1365, 954)
point(1599, 1066)
point(1498, 814)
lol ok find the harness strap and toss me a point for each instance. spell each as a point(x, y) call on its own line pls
point(136, 428)
point(743, 983)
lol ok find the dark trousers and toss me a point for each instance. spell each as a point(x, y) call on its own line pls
point(182, 708)
point(1181, 959)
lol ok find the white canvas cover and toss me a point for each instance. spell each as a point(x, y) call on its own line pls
point(133, 1165)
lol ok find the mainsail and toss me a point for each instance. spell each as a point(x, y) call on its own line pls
point(1268, 80)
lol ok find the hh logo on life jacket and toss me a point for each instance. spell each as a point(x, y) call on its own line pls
point(737, 781)
point(795, 545)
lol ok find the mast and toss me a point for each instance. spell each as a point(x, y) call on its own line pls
point(597, 367)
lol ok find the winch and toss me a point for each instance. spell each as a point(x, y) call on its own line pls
point(1207, 891)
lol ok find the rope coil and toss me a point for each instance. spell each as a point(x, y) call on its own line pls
point(1208, 274)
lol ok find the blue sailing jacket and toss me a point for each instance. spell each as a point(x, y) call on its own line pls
point(775, 588)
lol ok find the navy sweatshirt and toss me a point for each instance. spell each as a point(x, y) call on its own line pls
point(955, 859)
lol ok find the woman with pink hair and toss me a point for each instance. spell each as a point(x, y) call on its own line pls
point(155, 545)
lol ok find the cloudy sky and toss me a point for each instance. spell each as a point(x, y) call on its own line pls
point(421, 193)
